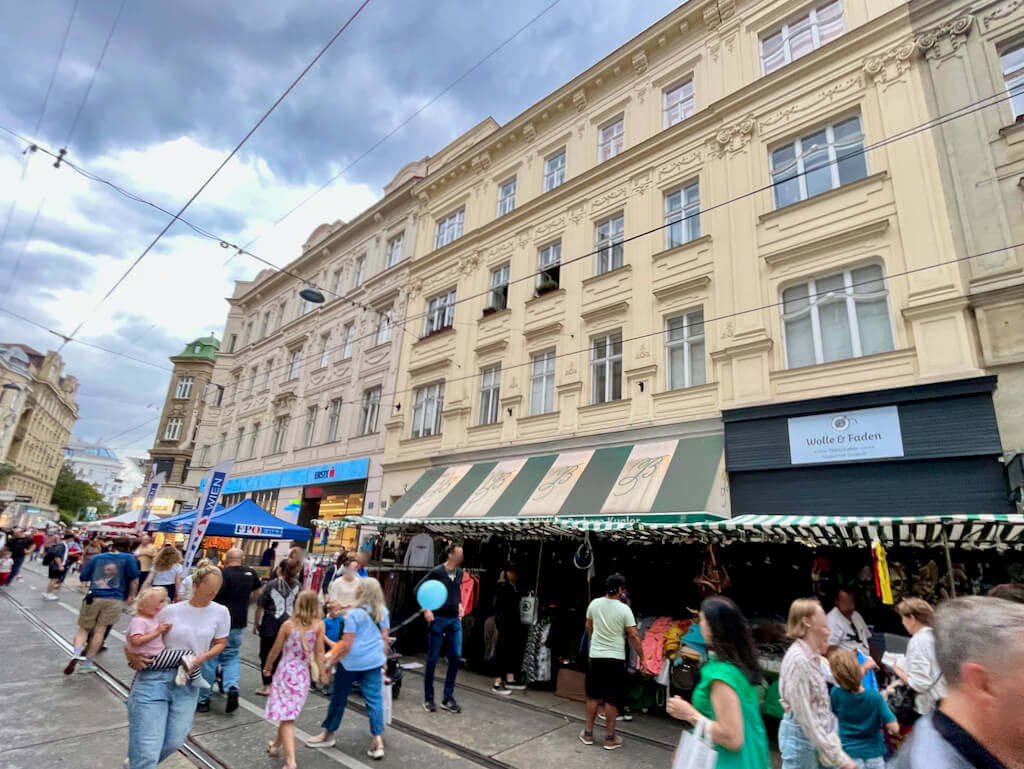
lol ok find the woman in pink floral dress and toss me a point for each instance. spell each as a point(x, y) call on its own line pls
point(300, 640)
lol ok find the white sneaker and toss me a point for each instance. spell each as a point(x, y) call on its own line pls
point(200, 683)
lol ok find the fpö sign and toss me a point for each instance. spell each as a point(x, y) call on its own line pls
point(846, 436)
point(265, 532)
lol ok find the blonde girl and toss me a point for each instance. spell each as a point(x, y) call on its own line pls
point(168, 571)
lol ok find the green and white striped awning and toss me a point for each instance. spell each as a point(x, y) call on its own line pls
point(668, 482)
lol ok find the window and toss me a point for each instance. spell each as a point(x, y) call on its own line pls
point(507, 196)
point(266, 374)
point(232, 343)
point(426, 410)
point(184, 389)
point(490, 388)
point(498, 299)
point(281, 312)
point(821, 25)
point(252, 440)
point(277, 437)
point(265, 327)
point(394, 250)
point(440, 313)
point(606, 368)
point(295, 365)
point(250, 383)
point(371, 411)
point(173, 430)
point(333, 420)
point(325, 353)
point(337, 282)
point(360, 271)
point(384, 328)
point(222, 446)
point(350, 336)
point(219, 400)
point(542, 383)
point(679, 103)
point(549, 263)
point(554, 170)
point(238, 442)
point(611, 139)
point(310, 428)
point(449, 228)
point(609, 244)
point(819, 162)
point(305, 307)
point(204, 456)
point(839, 316)
point(682, 215)
point(684, 350)
point(1013, 74)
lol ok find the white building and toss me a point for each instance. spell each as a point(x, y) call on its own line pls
point(99, 466)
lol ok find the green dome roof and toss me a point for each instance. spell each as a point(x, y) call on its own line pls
point(204, 347)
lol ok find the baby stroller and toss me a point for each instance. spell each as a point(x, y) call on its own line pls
point(393, 670)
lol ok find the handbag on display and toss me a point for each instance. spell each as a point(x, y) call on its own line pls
point(902, 704)
point(684, 673)
point(695, 750)
point(528, 609)
point(713, 578)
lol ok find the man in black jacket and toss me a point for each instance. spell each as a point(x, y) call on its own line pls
point(445, 622)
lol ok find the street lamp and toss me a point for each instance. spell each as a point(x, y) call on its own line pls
point(312, 295)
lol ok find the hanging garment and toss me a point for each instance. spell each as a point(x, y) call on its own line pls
point(882, 574)
point(537, 656)
point(470, 592)
point(490, 639)
point(420, 552)
point(653, 644)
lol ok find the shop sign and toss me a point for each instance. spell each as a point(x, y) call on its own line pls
point(336, 472)
point(23, 498)
point(847, 436)
point(266, 532)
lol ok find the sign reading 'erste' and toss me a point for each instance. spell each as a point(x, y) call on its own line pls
point(846, 436)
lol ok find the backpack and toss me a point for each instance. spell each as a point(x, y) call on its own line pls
point(52, 554)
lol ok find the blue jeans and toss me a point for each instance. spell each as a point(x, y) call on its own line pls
point(230, 662)
point(797, 751)
point(870, 763)
point(159, 717)
point(438, 629)
point(371, 684)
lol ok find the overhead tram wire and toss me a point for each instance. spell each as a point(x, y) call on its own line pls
point(416, 113)
point(205, 184)
point(39, 120)
point(956, 114)
point(67, 142)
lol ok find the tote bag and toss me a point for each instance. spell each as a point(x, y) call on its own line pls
point(528, 609)
point(695, 750)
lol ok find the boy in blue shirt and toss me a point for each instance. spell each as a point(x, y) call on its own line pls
point(334, 624)
point(862, 713)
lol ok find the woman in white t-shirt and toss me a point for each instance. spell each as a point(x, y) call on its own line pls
point(160, 712)
point(168, 571)
point(344, 586)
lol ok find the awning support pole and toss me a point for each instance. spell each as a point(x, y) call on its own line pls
point(540, 560)
point(949, 563)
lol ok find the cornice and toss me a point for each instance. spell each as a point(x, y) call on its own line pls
point(693, 285)
point(827, 243)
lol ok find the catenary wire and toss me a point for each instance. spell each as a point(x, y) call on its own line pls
point(223, 163)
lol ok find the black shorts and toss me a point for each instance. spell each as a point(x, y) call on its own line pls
point(606, 681)
point(55, 571)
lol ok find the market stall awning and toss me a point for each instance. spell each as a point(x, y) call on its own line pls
point(124, 522)
point(672, 482)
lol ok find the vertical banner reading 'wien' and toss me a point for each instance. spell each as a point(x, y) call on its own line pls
point(207, 504)
point(147, 507)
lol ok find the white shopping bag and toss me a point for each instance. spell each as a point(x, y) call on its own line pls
point(695, 750)
point(388, 701)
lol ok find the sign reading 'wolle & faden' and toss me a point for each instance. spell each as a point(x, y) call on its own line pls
point(846, 436)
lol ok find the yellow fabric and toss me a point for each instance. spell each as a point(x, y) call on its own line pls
point(884, 582)
point(672, 638)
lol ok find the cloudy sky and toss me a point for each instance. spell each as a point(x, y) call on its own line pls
point(181, 84)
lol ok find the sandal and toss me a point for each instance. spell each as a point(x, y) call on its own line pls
point(374, 752)
point(272, 751)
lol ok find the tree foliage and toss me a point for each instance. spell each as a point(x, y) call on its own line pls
point(72, 496)
point(6, 471)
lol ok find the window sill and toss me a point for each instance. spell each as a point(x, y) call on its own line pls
point(537, 298)
point(867, 181)
point(434, 335)
point(488, 427)
point(606, 275)
point(606, 406)
point(552, 415)
point(488, 316)
point(1013, 133)
point(419, 438)
point(838, 365)
point(695, 243)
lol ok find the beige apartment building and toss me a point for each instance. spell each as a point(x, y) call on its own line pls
point(302, 390)
point(716, 273)
point(37, 412)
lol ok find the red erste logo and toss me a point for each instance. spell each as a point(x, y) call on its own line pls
point(330, 473)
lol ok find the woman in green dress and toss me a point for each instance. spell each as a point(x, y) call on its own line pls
point(727, 694)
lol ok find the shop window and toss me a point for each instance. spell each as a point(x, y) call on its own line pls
point(337, 507)
point(554, 170)
point(498, 299)
point(821, 161)
point(609, 236)
point(507, 196)
point(449, 229)
point(370, 411)
point(440, 313)
point(821, 24)
point(184, 389)
point(277, 437)
point(542, 383)
point(684, 350)
point(1013, 73)
point(611, 139)
point(549, 267)
point(682, 215)
point(394, 250)
point(679, 103)
point(490, 391)
point(835, 317)
point(426, 411)
point(309, 429)
point(333, 420)
point(606, 368)
point(172, 431)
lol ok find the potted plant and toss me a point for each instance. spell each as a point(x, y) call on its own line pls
point(546, 286)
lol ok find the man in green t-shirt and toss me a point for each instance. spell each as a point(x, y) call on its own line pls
point(609, 623)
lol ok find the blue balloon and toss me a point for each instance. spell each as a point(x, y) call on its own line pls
point(431, 595)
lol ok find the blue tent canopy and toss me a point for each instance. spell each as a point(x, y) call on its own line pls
point(176, 524)
point(246, 519)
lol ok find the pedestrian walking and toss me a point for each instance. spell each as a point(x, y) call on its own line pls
point(112, 581)
point(848, 630)
point(334, 624)
point(359, 657)
point(6, 565)
point(979, 645)
point(241, 585)
point(807, 731)
point(508, 655)
point(146, 637)
point(610, 626)
point(146, 552)
point(922, 674)
point(333, 570)
point(445, 622)
point(55, 561)
point(160, 713)
point(19, 545)
point(345, 585)
point(168, 571)
point(273, 608)
point(861, 714)
point(299, 642)
point(38, 544)
point(727, 696)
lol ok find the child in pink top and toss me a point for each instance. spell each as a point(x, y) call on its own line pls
point(146, 636)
